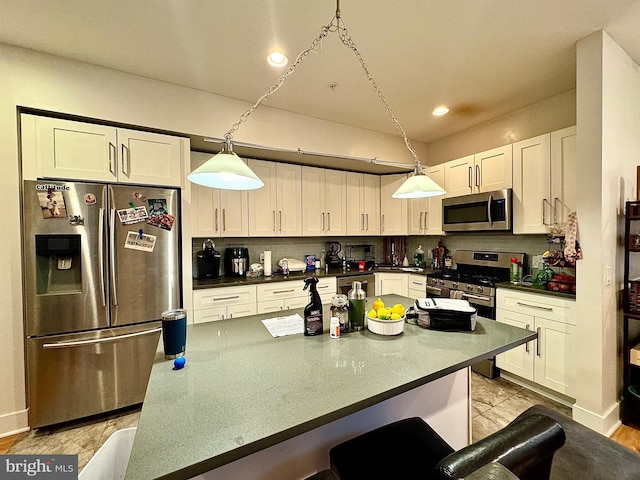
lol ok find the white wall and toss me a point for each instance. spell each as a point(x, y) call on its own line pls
point(31, 79)
point(608, 114)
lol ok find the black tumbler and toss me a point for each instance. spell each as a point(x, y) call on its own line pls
point(174, 332)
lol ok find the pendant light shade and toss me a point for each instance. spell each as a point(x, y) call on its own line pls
point(418, 185)
point(226, 170)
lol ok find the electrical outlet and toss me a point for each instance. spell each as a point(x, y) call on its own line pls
point(262, 258)
point(607, 276)
point(537, 261)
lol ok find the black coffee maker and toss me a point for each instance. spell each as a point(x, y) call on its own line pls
point(208, 261)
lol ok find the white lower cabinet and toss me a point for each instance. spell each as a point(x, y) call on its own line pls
point(280, 296)
point(417, 286)
point(388, 283)
point(547, 361)
point(224, 302)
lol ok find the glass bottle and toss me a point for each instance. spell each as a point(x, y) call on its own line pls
point(357, 307)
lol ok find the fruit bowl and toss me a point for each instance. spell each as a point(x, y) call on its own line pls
point(385, 327)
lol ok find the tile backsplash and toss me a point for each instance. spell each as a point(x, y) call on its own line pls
point(298, 247)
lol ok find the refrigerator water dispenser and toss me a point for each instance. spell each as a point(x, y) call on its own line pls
point(58, 264)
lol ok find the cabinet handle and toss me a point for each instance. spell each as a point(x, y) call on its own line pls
point(426, 223)
point(362, 215)
point(522, 304)
point(421, 214)
point(477, 175)
point(280, 220)
point(367, 215)
point(538, 331)
point(322, 286)
point(231, 315)
point(216, 221)
point(323, 221)
point(112, 155)
point(526, 345)
point(217, 299)
point(328, 221)
point(284, 291)
point(417, 283)
point(544, 200)
point(224, 219)
point(274, 221)
point(555, 210)
point(127, 172)
point(382, 228)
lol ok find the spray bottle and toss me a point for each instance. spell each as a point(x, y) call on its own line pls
point(313, 311)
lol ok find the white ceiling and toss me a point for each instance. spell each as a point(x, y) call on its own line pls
point(483, 58)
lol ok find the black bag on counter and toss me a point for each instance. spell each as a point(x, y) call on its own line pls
point(444, 314)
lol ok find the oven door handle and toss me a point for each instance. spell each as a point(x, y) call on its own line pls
point(477, 297)
point(434, 290)
point(489, 202)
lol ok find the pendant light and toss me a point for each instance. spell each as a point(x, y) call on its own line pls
point(226, 170)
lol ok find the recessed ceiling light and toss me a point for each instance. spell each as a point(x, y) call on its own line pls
point(439, 111)
point(277, 59)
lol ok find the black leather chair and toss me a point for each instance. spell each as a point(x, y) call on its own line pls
point(411, 449)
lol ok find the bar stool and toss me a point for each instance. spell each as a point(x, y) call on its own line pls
point(410, 449)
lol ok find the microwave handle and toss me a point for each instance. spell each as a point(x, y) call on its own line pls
point(489, 202)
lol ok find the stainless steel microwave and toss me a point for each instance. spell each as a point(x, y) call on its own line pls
point(479, 212)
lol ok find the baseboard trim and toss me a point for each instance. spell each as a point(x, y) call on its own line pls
point(606, 424)
point(15, 422)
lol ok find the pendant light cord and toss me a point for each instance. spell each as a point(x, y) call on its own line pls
point(335, 25)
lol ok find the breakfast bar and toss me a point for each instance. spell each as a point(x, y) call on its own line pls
point(248, 405)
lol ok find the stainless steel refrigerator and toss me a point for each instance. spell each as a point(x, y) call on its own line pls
point(101, 263)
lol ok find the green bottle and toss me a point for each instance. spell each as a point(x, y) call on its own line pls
point(357, 299)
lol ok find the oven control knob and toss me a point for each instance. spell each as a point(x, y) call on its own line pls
point(441, 282)
point(469, 287)
point(479, 289)
point(454, 285)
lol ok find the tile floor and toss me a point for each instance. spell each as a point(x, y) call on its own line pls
point(495, 403)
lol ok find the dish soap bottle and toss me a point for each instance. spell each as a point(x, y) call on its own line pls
point(313, 311)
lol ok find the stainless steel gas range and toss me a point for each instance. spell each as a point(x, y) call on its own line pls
point(475, 278)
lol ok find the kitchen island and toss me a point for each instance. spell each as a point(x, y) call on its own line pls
point(248, 405)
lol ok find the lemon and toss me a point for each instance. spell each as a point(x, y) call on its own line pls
point(398, 308)
point(372, 313)
point(384, 313)
point(395, 316)
point(378, 304)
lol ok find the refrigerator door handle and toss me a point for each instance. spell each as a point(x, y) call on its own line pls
point(92, 341)
point(103, 293)
point(112, 255)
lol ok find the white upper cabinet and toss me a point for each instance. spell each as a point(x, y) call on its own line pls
point(483, 172)
point(217, 212)
point(393, 211)
point(363, 204)
point(425, 214)
point(275, 209)
point(324, 201)
point(544, 181)
point(55, 148)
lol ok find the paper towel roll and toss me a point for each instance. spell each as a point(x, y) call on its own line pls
point(267, 263)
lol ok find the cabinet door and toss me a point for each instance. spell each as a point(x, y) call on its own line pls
point(149, 158)
point(234, 217)
point(209, 315)
point(314, 221)
point(289, 200)
point(263, 201)
point(387, 283)
point(531, 183)
point(393, 211)
point(563, 173)
point(493, 169)
point(418, 213)
point(371, 203)
point(355, 204)
point(554, 356)
point(205, 210)
point(67, 149)
point(293, 303)
point(434, 211)
point(271, 306)
point(417, 286)
point(236, 311)
point(335, 202)
point(458, 178)
point(518, 360)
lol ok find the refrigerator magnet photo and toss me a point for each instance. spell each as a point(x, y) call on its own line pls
point(158, 206)
point(163, 221)
point(52, 204)
point(89, 199)
point(128, 216)
point(142, 242)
